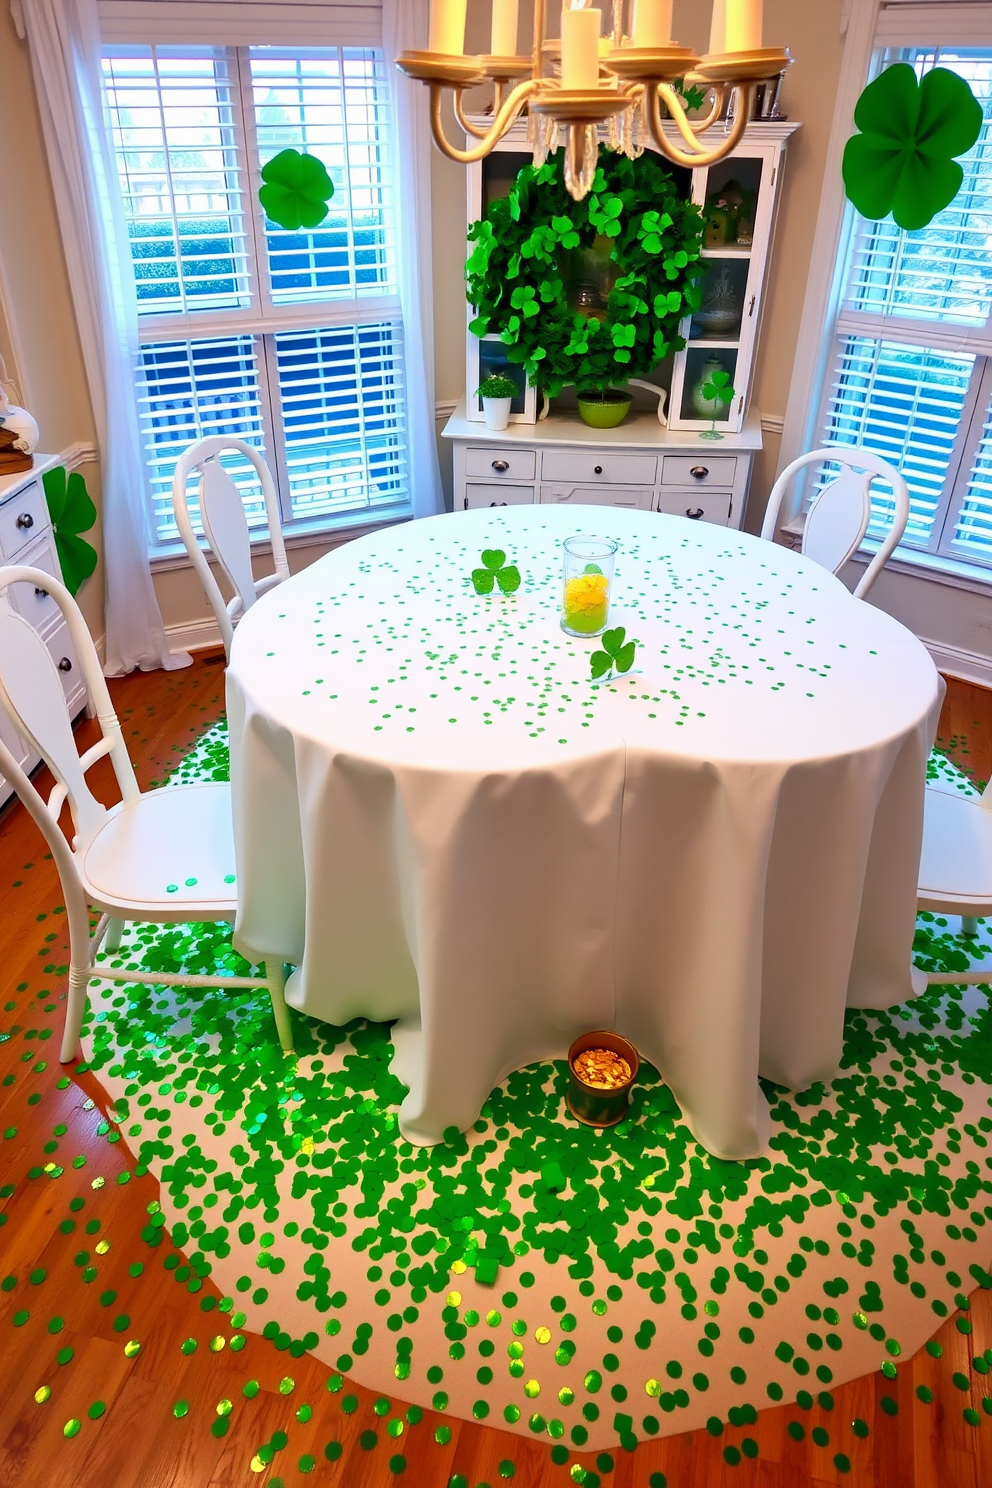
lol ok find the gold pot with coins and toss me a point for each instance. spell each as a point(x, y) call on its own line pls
point(602, 1068)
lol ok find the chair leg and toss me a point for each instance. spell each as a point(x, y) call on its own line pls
point(112, 939)
point(79, 977)
point(969, 925)
point(275, 976)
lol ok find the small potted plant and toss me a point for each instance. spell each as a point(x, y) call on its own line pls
point(497, 393)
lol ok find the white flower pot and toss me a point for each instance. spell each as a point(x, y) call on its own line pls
point(497, 412)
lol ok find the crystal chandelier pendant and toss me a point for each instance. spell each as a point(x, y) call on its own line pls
point(637, 141)
point(581, 160)
point(542, 136)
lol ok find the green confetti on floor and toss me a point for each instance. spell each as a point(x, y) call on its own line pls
point(849, 1206)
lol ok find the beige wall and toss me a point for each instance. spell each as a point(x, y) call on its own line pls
point(34, 267)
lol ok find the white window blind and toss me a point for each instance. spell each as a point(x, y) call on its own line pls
point(291, 340)
point(909, 373)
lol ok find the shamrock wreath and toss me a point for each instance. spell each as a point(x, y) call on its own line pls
point(516, 273)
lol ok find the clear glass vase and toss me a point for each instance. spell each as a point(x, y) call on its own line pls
point(587, 583)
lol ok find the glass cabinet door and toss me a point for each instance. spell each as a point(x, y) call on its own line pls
point(736, 196)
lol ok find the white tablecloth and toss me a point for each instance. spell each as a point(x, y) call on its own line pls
point(440, 819)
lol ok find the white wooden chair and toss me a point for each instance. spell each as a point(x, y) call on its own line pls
point(164, 855)
point(956, 864)
point(839, 515)
point(222, 514)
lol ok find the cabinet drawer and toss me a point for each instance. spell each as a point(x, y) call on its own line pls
point(501, 464)
point(599, 465)
point(702, 470)
point(38, 608)
point(637, 498)
point(22, 519)
point(496, 495)
point(63, 653)
point(698, 506)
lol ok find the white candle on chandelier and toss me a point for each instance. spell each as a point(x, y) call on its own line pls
point(652, 24)
point(718, 31)
point(447, 34)
point(580, 49)
point(504, 40)
point(744, 19)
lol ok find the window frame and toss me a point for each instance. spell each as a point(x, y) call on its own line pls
point(262, 319)
point(874, 28)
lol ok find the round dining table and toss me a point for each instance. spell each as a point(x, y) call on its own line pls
point(443, 820)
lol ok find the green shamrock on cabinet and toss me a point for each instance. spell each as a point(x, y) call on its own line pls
point(71, 509)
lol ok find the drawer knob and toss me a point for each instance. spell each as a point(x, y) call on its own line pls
point(598, 470)
point(694, 516)
point(25, 520)
point(65, 665)
point(501, 466)
point(41, 593)
point(699, 472)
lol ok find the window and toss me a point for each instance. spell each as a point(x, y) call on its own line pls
point(910, 359)
point(292, 341)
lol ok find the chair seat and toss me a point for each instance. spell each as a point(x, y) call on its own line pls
point(168, 855)
point(956, 864)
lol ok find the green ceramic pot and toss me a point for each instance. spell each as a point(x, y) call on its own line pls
point(604, 410)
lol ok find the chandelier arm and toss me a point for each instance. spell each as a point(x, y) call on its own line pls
point(700, 126)
point(699, 155)
point(508, 114)
point(463, 119)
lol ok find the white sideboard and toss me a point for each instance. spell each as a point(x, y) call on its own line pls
point(26, 537)
point(640, 464)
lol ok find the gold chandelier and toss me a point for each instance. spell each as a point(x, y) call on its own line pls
point(572, 87)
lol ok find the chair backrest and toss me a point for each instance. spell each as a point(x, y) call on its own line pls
point(838, 517)
point(31, 694)
point(225, 525)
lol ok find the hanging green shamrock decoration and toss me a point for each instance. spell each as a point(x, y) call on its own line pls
point(496, 570)
point(903, 161)
point(72, 512)
point(614, 654)
point(297, 190)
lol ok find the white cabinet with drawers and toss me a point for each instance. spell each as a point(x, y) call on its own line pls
point(26, 537)
point(640, 465)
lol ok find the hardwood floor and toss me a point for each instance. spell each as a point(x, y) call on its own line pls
point(76, 1238)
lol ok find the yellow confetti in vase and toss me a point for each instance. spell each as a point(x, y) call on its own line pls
point(588, 579)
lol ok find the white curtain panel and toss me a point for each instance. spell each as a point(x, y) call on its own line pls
point(64, 38)
point(405, 28)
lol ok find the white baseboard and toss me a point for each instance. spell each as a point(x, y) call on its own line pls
point(195, 635)
point(967, 666)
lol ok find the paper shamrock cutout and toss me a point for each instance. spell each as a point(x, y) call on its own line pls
point(903, 161)
point(496, 571)
point(296, 191)
point(614, 654)
point(72, 512)
point(719, 388)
